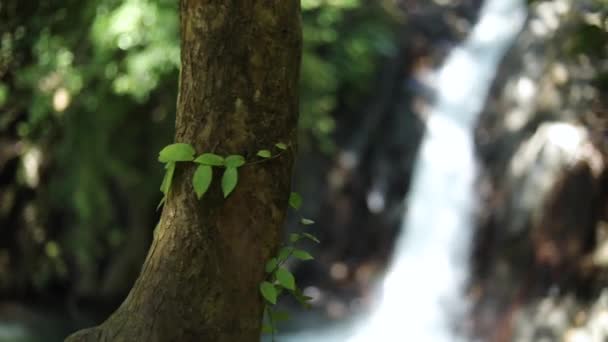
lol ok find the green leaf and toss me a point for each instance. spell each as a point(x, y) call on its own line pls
point(176, 152)
point(268, 292)
point(295, 200)
point(307, 222)
point(286, 279)
point(202, 179)
point(301, 298)
point(162, 201)
point(302, 255)
point(165, 186)
point(271, 265)
point(279, 316)
point(264, 154)
point(281, 146)
point(229, 180)
point(311, 237)
point(284, 253)
point(234, 161)
point(210, 159)
point(294, 237)
point(267, 329)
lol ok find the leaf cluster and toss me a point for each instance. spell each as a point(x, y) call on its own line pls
point(172, 154)
point(279, 279)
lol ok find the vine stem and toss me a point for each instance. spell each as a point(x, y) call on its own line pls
point(265, 159)
point(269, 313)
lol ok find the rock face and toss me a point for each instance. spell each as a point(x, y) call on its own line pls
point(540, 257)
point(360, 205)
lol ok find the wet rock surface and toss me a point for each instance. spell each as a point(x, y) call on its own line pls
point(539, 274)
point(364, 186)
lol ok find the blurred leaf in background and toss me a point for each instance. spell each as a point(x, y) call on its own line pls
point(343, 40)
point(87, 96)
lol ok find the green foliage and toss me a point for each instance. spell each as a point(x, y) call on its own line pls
point(210, 159)
point(339, 57)
point(302, 255)
point(176, 153)
point(203, 176)
point(311, 237)
point(167, 180)
point(301, 298)
point(171, 154)
point(264, 154)
point(269, 292)
point(166, 184)
point(295, 200)
point(306, 222)
point(229, 180)
point(202, 179)
point(285, 278)
point(294, 237)
point(279, 316)
point(3, 94)
point(588, 40)
point(93, 86)
point(234, 161)
point(59, 84)
point(268, 329)
point(271, 265)
point(280, 278)
point(285, 253)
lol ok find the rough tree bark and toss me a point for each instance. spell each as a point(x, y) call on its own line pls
point(238, 93)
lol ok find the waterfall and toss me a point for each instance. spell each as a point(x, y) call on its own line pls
point(423, 291)
point(424, 286)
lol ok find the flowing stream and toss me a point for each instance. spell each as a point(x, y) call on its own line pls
point(423, 292)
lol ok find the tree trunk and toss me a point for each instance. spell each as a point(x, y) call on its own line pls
point(238, 94)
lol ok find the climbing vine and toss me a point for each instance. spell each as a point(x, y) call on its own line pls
point(279, 280)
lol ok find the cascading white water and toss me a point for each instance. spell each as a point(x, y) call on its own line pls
point(423, 289)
